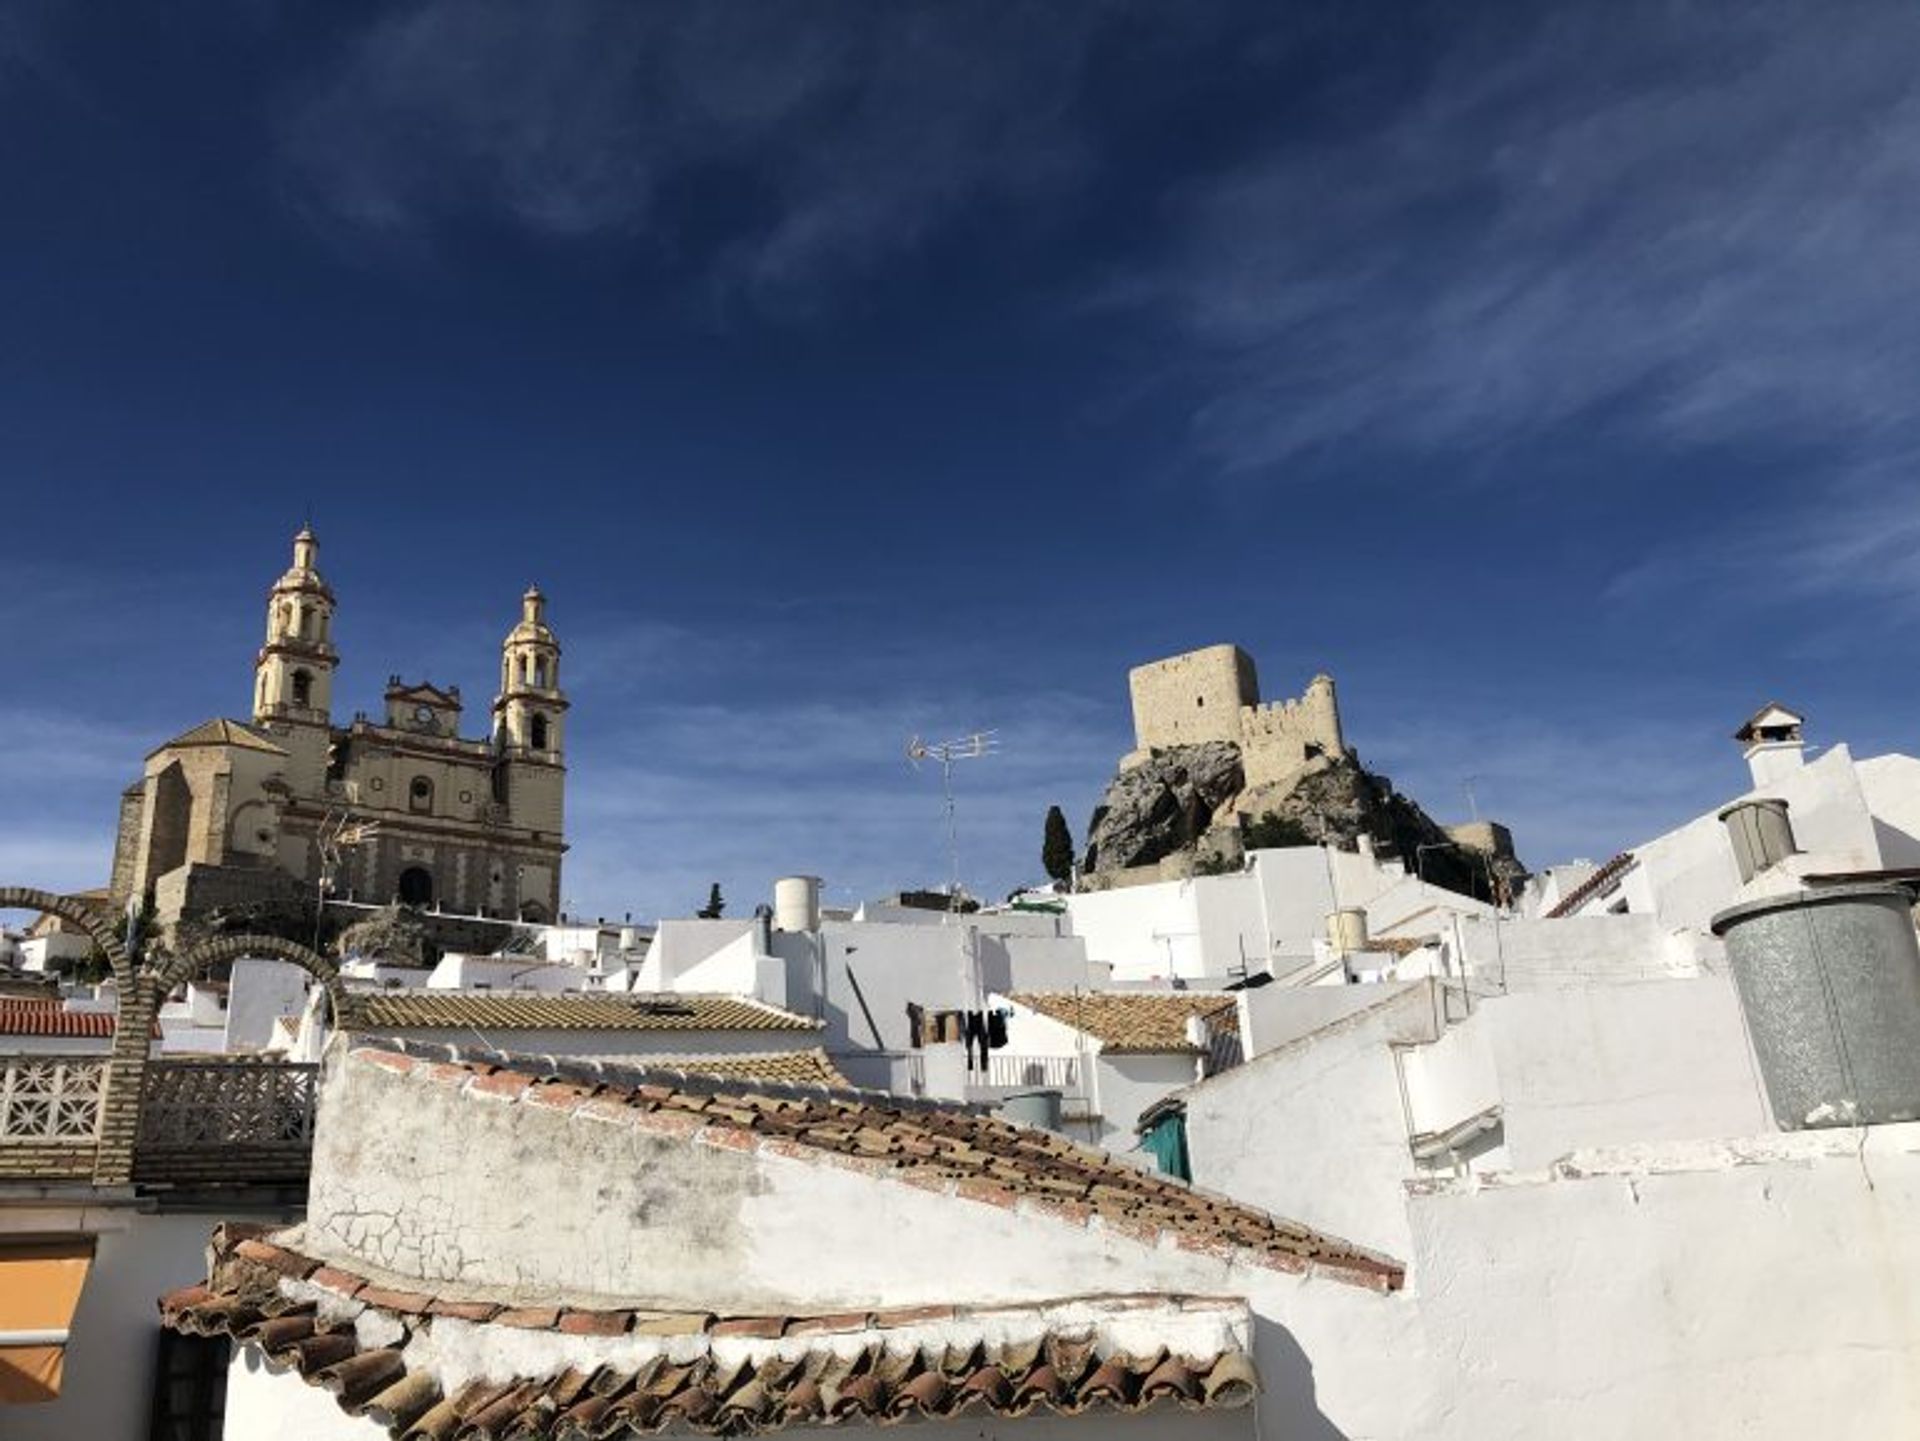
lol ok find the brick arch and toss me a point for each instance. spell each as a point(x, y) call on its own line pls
point(234, 948)
point(67, 908)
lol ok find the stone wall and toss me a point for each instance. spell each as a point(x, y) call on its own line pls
point(1191, 699)
point(1213, 695)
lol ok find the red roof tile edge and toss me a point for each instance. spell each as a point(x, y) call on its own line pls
point(1587, 889)
point(261, 1293)
point(1295, 1248)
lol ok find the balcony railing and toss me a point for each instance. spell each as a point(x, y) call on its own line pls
point(50, 1100)
point(225, 1121)
point(1054, 1073)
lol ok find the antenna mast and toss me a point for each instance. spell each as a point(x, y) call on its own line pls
point(977, 746)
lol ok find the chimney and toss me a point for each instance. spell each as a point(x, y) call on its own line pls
point(1774, 748)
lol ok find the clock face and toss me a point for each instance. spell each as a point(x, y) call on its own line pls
point(423, 713)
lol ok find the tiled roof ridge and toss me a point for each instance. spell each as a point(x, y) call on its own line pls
point(1134, 1021)
point(416, 1007)
point(1107, 1197)
point(1581, 893)
point(731, 1069)
point(306, 1315)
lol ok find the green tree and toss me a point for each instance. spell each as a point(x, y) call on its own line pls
point(1275, 832)
point(714, 906)
point(1056, 849)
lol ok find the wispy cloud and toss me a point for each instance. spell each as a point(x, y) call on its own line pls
point(836, 135)
point(1855, 539)
point(1687, 222)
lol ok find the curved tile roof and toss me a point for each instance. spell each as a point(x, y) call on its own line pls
point(972, 1156)
point(1134, 1021)
point(566, 1011)
point(622, 1373)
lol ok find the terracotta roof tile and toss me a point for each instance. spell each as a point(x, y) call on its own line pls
point(1134, 1021)
point(1590, 887)
point(47, 1016)
point(972, 1155)
point(1004, 1360)
point(486, 1011)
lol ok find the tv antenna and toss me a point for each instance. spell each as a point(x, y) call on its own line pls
point(977, 746)
point(339, 831)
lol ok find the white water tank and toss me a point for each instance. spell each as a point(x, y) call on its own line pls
point(1347, 930)
point(796, 903)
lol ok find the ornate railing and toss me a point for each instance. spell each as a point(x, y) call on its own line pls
point(224, 1121)
point(50, 1100)
point(1061, 1073)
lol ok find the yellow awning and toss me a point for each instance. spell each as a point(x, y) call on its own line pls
point(40, 1283)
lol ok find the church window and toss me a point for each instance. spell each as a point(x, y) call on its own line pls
point(302, 688)
point(539, 732)
point(416, 886)
point(540, 671)
point(526, 668)
point(420, 794)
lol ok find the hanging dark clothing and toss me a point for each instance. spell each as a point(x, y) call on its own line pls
point(976, 1034)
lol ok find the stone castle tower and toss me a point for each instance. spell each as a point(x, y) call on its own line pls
point(230, 815)
point(1213, 694)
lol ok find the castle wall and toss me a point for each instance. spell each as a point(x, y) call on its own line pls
point(1191, 699)
point(1214, 695)
point(1278, 739)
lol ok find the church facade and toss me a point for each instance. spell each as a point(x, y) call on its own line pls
point(291, 804)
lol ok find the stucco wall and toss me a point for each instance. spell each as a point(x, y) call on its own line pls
point(1681, 1294)
point(1127, 1085)
point(1609, 1065)
point(1519, 953)
point(1316, 1129)
point(107, 1393)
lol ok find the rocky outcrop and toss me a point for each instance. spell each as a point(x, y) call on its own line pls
point(1163, 806)
point(393, 934)
point(1186, 800)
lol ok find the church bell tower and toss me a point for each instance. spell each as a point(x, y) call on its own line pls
point(530, 773)
point(293, 677)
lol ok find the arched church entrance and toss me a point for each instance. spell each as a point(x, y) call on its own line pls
point(416, 886)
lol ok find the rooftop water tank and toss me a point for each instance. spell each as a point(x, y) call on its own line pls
point(796, 903)
point(1761, 834)
point(1033, 1108)
point(1829, 981)
point(1347, 930)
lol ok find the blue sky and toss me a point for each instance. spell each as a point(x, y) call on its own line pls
point(845, 372)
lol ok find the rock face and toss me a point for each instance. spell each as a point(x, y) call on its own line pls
point(1163, 806)
point(1193, 800)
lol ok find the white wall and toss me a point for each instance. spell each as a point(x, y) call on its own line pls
point(893, 965)
point(1609, 1065)
point(1272, 1016)
point(1316, 1129)
point(107, 1391)
point(1519, 953)
point(745, 1232)
point(1689, 873)
point(1142, 932)
point(1126, 1085)
point(54, 951)
point(259, 994)
point(458, 972)
point(1765, 1293)
point(1891, 785)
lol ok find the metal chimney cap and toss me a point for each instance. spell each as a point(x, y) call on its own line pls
point(1732, 916)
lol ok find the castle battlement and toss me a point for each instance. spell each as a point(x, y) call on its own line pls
point(1213, 694)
